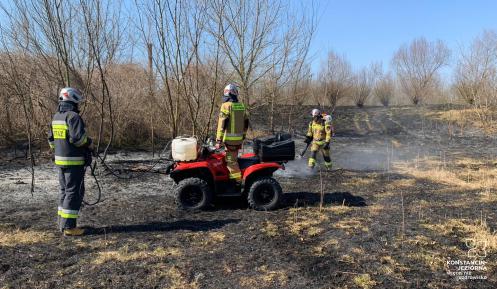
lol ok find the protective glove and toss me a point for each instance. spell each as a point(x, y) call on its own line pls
point(327, 146)
point(308, 139)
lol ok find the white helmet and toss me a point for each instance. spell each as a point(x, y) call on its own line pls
point(71, 94)
point(328, 118)
point(315, 112)
point(231, 89)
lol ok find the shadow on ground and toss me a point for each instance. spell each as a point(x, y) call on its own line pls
point(299, 199)
point(294, 199)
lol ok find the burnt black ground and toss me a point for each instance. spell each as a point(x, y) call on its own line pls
point(139, 240)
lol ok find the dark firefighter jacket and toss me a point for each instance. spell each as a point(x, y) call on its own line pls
point(68, 137)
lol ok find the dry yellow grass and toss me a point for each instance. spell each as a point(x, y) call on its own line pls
point(456, 116)
point(346, 258)
point(360, 182)
point(319, 249)
point(364, 281)
point(270, 229)
point(174, 275)
point(314, 231)
point(375, 209)
point(421, 240)
point(430, 258)
point(10, 238)
point(461, 174)
point(458, 119)
point(305, 220)
point(351, 225)
point(179, 281)
point(471, 232)
point(338, 210)
point(357, 251)
point(266, 279)
point(206, 239)
point(390, 265)
point(125, 255)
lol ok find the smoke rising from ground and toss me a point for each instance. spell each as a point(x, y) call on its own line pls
point(296, 169)
point(364, 155)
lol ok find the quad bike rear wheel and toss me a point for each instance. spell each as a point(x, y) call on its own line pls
point(193, 194)
point(264, 194)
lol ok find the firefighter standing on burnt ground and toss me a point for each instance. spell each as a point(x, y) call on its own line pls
point(231, 130)
point(319, 136)
point(67, 137)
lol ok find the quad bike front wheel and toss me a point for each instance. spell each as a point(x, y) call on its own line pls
point(193, 194)
point(264, 194)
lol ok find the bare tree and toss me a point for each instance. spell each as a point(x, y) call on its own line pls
point(364, 82)
point(251, 32)
point(104, 31)
point(336, 78)
point(195, 48)
point(475, 74)
point(179, 29)
point(384, 89)
point(417, 66)
point(11, 81)
point(287, 61)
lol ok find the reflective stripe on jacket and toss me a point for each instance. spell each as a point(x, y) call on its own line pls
point(232, 124)
point(319, 131)
point(68, 137)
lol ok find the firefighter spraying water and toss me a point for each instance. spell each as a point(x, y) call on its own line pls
point(318, 136)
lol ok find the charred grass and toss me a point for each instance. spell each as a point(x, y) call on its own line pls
point(421, 211)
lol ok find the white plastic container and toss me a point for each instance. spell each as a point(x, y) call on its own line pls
point(184, 149)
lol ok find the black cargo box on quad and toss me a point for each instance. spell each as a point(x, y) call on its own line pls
point(275, 148)
point(267, 140)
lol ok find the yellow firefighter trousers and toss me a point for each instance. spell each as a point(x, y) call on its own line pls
point(232, 162)
point(315, 148)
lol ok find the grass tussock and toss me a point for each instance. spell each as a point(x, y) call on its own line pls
point(338, 210)
point(474, 234)
point(11, 238)
point(266, 278)
point(351, 225)
point(364, 281)
point(429, 258)
point(179, 281)
point(460, 174)
point(306, 221)
point(125, 255)
point(270, 229)
point(206, 239)
point(321, 248)
point(175, 275)
point(469, 117)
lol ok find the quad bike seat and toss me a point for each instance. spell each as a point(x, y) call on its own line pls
point(245, 162)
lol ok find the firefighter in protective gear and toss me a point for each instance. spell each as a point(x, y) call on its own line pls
point(328, 119)
point(68, 138)
point(319, 136)
point(231, 129)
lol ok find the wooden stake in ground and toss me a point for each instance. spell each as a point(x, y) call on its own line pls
point(321, 201)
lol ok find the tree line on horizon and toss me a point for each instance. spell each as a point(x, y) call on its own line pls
point(152, 70)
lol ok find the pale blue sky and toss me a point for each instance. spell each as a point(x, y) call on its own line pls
point(367, 31)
